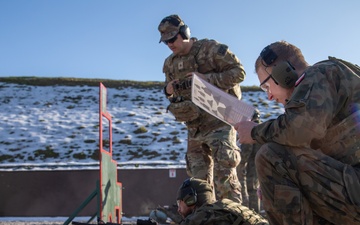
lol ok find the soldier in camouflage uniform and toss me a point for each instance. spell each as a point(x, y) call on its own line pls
point(309, 163)
point(247, 173)
point(212, 153)
point(197, 205)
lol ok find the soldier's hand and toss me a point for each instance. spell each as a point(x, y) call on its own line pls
point(170, 87)
point(243, 129)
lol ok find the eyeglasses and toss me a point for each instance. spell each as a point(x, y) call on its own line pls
point(171, 40)
point(265, 86)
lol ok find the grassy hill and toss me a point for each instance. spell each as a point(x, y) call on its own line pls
point(66, 81)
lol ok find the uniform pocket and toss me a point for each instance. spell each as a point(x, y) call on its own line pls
point(184, 111)
point(287, 199)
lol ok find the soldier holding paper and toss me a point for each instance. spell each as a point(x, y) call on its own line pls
point(212, 153)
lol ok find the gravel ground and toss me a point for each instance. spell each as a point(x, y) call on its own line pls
point(39, 223)
point(53, 221)
point(30, 223)
point(45, 223)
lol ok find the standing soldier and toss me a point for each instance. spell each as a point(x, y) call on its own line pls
point(247, 172)
point(212, 153)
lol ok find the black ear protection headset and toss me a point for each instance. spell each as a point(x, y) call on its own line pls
point(189, 193)
point(283, 73)
point(184, 30)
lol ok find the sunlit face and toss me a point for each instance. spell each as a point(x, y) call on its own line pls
point(274, 91)
point(177, 45)
point(183, 209)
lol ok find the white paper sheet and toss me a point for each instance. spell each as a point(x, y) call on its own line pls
point(218, 103)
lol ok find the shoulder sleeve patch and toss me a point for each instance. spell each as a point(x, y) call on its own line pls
point(222, 50)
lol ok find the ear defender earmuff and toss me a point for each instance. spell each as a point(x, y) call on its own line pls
point(184, 32)
point(283, 72)
point(268, 56)
point(191, 198)
point(189, 193)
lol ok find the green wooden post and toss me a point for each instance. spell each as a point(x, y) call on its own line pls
point(82, 206)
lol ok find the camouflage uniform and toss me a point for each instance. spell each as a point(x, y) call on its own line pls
point(224, 212)
point(246, 172)
point(309, 163)
point(207, 211)
point(212, 153)
point(247, 176)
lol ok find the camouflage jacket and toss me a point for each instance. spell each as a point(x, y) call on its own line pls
point(224, 212)
point(220, 66)
point(323, 113)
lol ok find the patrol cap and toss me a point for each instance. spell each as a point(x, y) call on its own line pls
point(196, 187)
point(169, 27)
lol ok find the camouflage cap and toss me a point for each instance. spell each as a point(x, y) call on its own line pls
point(201, 188)
point(169, 27)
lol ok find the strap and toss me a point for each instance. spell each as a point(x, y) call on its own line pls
point(354, 67)
point(238, 221)
point(196, 48)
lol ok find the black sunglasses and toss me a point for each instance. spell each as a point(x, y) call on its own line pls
point(171, 40)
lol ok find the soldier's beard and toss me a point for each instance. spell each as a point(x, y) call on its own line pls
point(187, 212)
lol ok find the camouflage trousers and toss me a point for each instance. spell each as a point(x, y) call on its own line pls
point(213, 157)
point(246, 172)
point(299, 185)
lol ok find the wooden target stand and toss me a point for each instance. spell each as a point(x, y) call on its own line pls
point(108, 190)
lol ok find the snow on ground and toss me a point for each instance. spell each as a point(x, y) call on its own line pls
point(57, 127)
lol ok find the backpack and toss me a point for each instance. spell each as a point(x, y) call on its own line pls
point(354, 67)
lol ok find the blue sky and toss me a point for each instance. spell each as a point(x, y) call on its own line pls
point(118, 39)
